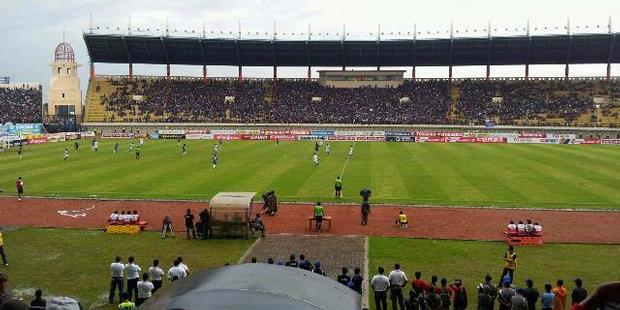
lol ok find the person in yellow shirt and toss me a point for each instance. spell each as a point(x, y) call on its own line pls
point(4, 260)
point(510, 264)
point(559, 293)
point(126, 304)
point(402, 220)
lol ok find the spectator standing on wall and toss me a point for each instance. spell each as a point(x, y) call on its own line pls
point(398, 281)
point(531, 294)
point(546, 300)
point(559, 296)
point(505, 296)
point(356, 280)
point(145, 289)
point(460, 295)
point(133, 275)
point(4, 259)
point(156, 274)
point(380, 284)
point(578, 295)
point(38, 303)
point(116, 271)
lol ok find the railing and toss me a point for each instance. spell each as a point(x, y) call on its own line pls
point(507, 79)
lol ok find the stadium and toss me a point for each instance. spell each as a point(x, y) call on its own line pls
point(269, 187)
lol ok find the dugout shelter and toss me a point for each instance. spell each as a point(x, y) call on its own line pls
point(255, 286)
point(230, 214)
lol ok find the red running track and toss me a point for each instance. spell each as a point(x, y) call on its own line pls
point(426, 222)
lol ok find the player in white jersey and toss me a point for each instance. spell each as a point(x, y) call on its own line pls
point(66, 153)
point(315, 159)
point(351, 151)
point(141, 142)
point(130, 147)
point(327, 149)
point(96, 145)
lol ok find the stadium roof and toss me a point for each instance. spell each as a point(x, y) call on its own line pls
point(516, 50)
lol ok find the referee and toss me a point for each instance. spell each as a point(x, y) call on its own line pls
point(338, 187)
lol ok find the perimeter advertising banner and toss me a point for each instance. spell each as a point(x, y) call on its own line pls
point(534, 140)
point(116, 135)
point(610, 141)
point(439, 139)
point(399, 138)
point(25, 128)
point(198, 136)
point(356, 138)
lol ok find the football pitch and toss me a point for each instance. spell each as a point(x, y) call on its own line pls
point(536, 176)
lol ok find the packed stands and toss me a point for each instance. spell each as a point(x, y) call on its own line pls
point(550, 102)
point(20, 105)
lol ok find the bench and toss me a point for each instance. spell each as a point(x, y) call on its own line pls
point(525, 241)
point(312, 221)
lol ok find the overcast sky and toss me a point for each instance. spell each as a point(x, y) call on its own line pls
point(31, 29)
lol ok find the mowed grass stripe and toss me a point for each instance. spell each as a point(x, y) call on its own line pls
point(450, 163)
point(427, 185)
point(562, 169)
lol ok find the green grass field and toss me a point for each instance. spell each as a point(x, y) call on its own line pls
point(76, 263)
point(470, 261)
point(557, 176)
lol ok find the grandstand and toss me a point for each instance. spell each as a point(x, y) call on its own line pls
point(578, 102)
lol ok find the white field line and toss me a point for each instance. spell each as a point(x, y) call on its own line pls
point(365, 286)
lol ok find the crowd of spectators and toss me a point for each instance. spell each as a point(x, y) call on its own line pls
point(300, 101)
point(20, 105)
point(289, 102)
point(515, 100)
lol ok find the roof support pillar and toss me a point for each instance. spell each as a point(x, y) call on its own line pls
point(167, 72)
point(275, 80)
point(130, 72)
point(527, 72)
point(566, 72)
point(309, 73)
point(240, 76)
point(413, 74)
point(608, 71)
point(488, 76)
point(92, 71)
point(450, 74)
point(205, 78)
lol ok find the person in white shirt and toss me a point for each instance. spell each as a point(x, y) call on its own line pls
point(398, 281)
point(327, 149)
point(176, 272)
point(521, 228)
point(182, 265)
point(142, 142)
point(116, 271)
point(529, 227)
point(113, 218)
point(315, 159)
point(351, 151)
point(156, 275)
point(133, 275)
point(96, 145)
point(538, 229)
point(380, 284)
point(145, 288)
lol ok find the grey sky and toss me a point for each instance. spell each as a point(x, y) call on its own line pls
point(31, 29)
